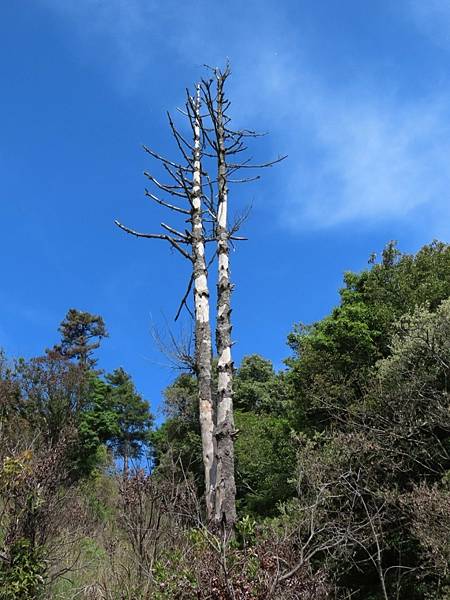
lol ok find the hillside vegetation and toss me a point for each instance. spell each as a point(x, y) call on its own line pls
point(342, 461)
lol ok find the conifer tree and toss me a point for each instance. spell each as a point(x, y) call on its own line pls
point(133, 416)
point(81, 333)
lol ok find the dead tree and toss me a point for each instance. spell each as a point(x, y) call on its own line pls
point(225, 143)
point(203, 343)
point(222, 143)
point(186, 186)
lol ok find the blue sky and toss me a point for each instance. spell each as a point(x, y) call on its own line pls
point(356, 93)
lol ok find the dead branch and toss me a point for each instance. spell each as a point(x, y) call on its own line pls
point(169, 189)
point(183, 236)
point(157, 236)
point(184, 300)
point(166, 204)
point(165, 160)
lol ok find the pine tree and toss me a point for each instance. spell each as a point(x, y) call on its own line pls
point(81, 333)
point(134, 419)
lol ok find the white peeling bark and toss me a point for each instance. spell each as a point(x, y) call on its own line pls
point(225, 500)
point(203, 343)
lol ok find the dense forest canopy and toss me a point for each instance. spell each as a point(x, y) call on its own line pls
point(342, 460)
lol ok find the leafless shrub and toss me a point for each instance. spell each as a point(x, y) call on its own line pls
point(430, 514)
point(151, 511)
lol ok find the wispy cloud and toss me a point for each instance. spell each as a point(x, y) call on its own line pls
point(359, 153)
point(432, 18)
point(375, 160)
point(134, 35)
point(122, 34)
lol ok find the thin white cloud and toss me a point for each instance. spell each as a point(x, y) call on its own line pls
point(432, 18)
point(377, 161)
point(126, 35)
point(357, 154)
point(360, 153)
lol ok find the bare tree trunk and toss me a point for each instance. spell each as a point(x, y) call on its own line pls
point(203, 343)
point(225, 502)
point(225, 144)
point(125, 463)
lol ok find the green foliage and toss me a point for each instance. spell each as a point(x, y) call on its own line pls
point(99, 493)
point(116, 416)
point(257, 388)
point(385, 460)
point(132, 414)
point(81, 333)
point(176, 446)
point(52, 393)
point(332, 358)
point(57, 417)
point(178, 438)
point(342, 459)
point(23, 576)
point(173, 576)
point(246, 531)
point(265, 456)
point(96, 424)
point(407, 400)
point(9, 391)
point(265, 462)
point(180, 399)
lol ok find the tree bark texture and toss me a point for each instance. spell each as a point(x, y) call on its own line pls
point(225, 501)
point(203, 343)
